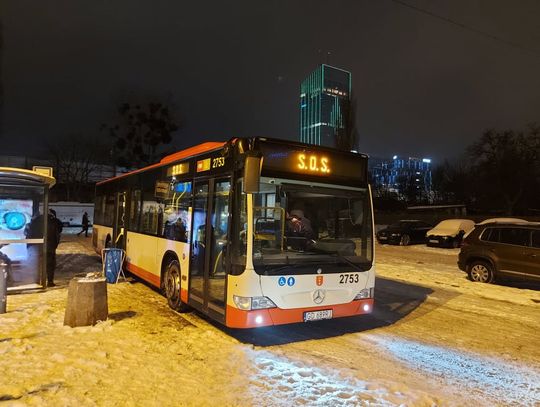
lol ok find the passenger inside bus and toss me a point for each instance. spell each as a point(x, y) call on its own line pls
point(298, 230)
point(298, 225)
point(176, 230)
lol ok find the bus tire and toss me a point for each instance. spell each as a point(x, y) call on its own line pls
point(171, 285)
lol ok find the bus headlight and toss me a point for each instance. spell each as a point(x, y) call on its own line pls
point(253, 303)
point(262, 303)
point(242, 302)
point(365, 293)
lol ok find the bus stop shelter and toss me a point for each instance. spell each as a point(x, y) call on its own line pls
point(23, 224)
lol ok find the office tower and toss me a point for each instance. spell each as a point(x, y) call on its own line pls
point(322, 95)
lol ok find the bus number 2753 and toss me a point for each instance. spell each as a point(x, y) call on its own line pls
point(218, 162)
point(348, 278)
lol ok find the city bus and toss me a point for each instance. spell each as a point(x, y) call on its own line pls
point(214, 228)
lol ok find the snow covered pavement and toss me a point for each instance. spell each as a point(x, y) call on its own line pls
point(434, 339)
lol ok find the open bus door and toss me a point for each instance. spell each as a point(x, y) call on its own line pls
point(208, 271)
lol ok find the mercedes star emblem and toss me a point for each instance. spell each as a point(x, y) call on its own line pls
point(318, 296)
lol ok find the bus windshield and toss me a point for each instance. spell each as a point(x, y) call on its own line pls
point(300, 227)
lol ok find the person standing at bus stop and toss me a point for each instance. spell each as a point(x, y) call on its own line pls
point(85, 223)
point(35, 231)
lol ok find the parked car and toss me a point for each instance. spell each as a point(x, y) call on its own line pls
point(499, 249)
point(449, 232)
point(497, 220)
point(501, 220)
point(404, 232)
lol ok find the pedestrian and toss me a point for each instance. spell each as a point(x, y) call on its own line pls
point(59, 225)
point(85, 223)
point(35, 231)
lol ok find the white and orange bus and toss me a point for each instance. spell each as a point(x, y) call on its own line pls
point(211, 227)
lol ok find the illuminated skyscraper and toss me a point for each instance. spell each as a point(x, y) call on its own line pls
point(321, 96)
point(408, 177)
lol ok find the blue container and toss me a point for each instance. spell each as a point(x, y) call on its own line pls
point(112, 263)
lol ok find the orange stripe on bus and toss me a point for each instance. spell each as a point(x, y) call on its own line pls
point(144, 274)
point(183, 295)
point(236, 318)
point(188, 152)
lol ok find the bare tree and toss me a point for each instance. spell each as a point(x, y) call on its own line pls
point(74, 158)
point(452, 182)
point(139, 131)
point(506, 167)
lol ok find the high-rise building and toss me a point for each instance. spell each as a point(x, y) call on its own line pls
point(408, 177)
point(321, 96)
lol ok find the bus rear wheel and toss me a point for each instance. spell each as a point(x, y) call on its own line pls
point(171, 285)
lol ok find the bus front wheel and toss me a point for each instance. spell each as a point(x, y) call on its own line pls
point(171, 285)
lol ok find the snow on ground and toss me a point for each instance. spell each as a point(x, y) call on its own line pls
point(509, 383)
point(437, 266)
point(418, 348)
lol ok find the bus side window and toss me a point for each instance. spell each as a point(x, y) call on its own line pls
point(135, 210)
point(176, 213)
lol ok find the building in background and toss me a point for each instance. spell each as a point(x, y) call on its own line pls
point(322, 95)
point(409, 178)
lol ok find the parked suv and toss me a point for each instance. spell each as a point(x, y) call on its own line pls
point(501, 249)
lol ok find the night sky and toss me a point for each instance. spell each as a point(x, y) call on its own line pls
point(424, 87)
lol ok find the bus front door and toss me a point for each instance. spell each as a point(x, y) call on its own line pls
point(208, 248)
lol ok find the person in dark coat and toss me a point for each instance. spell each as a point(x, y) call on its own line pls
point(85, 223)
point(298, 225)
point(35, 231)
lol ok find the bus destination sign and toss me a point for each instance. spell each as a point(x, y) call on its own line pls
point(313, 162)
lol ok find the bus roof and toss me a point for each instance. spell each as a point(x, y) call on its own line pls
point(277, 163)
point(188, 152)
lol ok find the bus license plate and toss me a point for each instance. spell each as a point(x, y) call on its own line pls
point(433, 241)
point(317, 315)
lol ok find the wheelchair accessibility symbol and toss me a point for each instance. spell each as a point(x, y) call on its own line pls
point(282, 281)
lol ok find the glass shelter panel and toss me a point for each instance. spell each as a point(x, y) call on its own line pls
point(22, 234)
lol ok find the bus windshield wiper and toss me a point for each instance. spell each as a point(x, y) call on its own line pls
point(291, 263)
point(346, 260)
point(339, 256)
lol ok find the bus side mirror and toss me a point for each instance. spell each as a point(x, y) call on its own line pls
point(252, 174)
